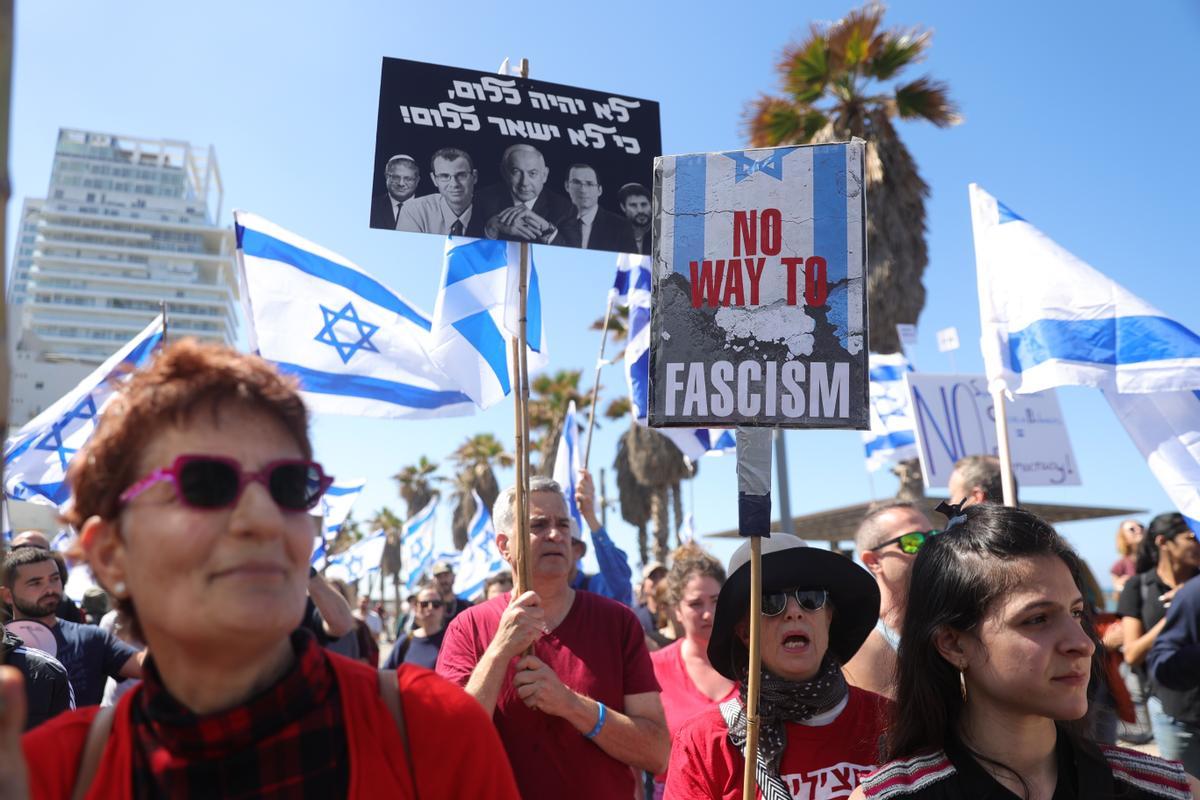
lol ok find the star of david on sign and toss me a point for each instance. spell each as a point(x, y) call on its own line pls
point(348, 347)
point(53, 441)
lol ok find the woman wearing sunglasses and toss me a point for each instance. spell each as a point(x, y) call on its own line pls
point(192, 499)
point(429, 627)
point(996, 658)
point(815, 730)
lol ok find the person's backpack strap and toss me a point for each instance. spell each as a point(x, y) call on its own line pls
point(93, 749)
point(389, 690)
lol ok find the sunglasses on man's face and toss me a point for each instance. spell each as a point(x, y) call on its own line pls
point(210, 483)
point(425, 604)
point(909, 542)
point(774, 603)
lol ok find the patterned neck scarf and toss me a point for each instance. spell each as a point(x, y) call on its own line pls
point(779, 702)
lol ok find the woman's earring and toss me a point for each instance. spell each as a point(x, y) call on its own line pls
point(962, 682)
point(119, 590)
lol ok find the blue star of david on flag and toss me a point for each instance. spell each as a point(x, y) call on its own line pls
point(745, 166)
point(53, 440)
point(345, 348)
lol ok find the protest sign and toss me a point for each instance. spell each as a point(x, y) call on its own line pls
point(472, 153)
point(759, 283)
point(955, 416)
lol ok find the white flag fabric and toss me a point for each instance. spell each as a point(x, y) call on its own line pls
point(36, 457)
point(357, 347)
point(567, 463)
point(480, 559)
point(6, 530)
point(336, 503)
point(416, 545)
point(358, 559)
point(1166, 429)
point(1049, 319)
point(475, 318)
point(631, 287)
point(892, 437)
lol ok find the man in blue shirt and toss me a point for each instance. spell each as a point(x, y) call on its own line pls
point(614, 578)
point(33, 586)
point(1174, 658)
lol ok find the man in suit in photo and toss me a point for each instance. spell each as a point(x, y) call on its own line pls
point(401, 176)
point(449, 210)
point(591, 226)
point(634, 200)
point(521, 208)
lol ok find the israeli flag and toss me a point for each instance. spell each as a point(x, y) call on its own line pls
point(416, 545)
point(475, 318)
point(358, 559)
point(568, 462)
point(36, 456)
point(480, 559)
point(631, 287)
point(320, 549)
point(336, 503)
point(892, 437)
point(357, 347)
point(6, 530)
point(1049, 319)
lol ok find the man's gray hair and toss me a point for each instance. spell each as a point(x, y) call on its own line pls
point(503, 515)
point(983, 472)
point(518, 148)
point(406, 160)
point(871, 531)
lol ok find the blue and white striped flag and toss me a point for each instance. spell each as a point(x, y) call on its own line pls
point(36, 456)
point(6, 530)
point(1049, 319)
point(480, 559)
point(336, 503)
point(567, 463)
point(416, 545)
point(358, 559)
point(476, 316)
point(632, 287)
point(892, 437)
point(357, 347)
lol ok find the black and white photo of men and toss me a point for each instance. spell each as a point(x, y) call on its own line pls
point(590, 225)
point(449, 210)
point(634, 200)
point(400, 176)
point(522, 208)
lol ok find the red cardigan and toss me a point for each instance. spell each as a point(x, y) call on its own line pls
point(446, 728)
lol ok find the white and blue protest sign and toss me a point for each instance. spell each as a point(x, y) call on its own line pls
point(954, 416)
point(36, 457)
point(759, 283)
point(357, 347)
point(416, 545)
point(480, 559)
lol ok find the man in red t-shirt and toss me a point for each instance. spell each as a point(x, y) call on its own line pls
point(581, 714)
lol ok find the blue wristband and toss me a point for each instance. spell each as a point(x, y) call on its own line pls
point(594, 732)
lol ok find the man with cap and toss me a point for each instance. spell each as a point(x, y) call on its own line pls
point(581, 712)
point(817, 735)
point(443, 574)
point(646, 610)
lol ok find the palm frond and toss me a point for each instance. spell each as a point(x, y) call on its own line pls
point(772, 121)
point(850, 38)
point(806, 69)
point(929, 100)
point(893, 51)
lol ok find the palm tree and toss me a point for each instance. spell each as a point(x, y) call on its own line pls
point(474, 461)
point(835, 84)
point(416, 485)
point(634, 497)
point(658, 466)
point(550, 394)
point(385, 519)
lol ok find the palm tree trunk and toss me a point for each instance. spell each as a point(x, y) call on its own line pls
point(660, 514)
point(677, 501)
point(643, 544)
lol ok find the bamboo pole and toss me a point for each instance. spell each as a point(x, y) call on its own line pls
point(520, 514)
point(755, 670)
point(1000, 409)
point(587, 446)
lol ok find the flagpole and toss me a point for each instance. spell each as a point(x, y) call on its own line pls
point(587, 447)
point(522, 402)
point(162, 309)
point(521, 540)
point(1006, 476)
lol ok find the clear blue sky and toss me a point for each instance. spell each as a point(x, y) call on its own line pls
point(1078, 115)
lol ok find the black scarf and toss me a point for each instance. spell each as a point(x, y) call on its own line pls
point(779, 702)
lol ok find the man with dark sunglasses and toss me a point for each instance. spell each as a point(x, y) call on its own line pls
point(887, 542)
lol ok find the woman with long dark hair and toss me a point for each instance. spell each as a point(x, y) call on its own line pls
point(995, 659)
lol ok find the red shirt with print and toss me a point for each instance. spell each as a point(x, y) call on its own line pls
point(598, 650)
point(821, 762)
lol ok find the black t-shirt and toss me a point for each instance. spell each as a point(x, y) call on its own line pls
point(90, 654)
point(1139, 599)
point(419, 650)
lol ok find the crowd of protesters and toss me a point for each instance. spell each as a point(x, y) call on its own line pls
point(967, 658)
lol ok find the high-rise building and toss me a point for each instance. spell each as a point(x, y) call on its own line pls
point(127, 224)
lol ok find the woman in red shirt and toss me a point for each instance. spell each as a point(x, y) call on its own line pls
point(689, 683)
point(193, 502)
point(817, 735)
